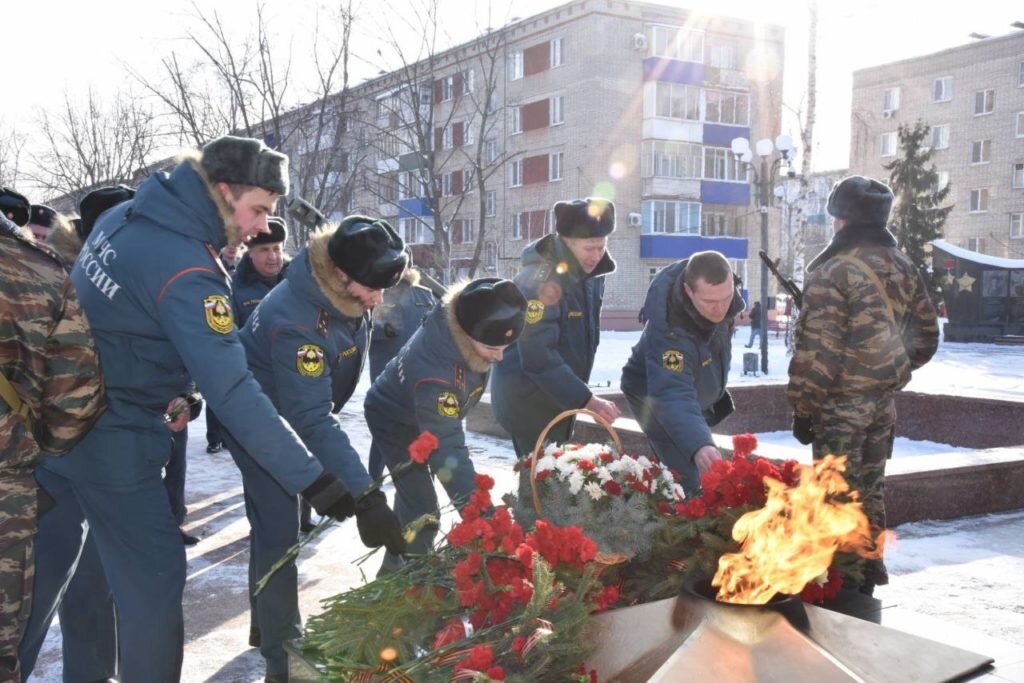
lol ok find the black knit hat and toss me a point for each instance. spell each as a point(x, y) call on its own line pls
point(491, 310)
point(42, 215)
point(278, 233)
point(369, 251)
point(246, 161)
point(14, 206)
point(96, 202)
point(860, 200)
point(590, 217)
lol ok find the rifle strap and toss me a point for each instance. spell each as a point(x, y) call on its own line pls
point(10, 396)
point(871, 275)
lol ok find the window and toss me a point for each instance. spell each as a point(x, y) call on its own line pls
point(462, 231)
point(1018, 176)
point(739, 268)
point(447, 84)
point(979, 200)
point(518, 219)
point(676, 43)
point(414, 231)
point(446, 184)
point(555, 165)
point(720, 164)
point(891, 99)
point(1020, 75)
point(984, 102)
point(517, 120)
point(941, 181)
point(940, 137)
point(1019, 132)
point(976, 243)
point(672, 159)
point(388, 188)
point(677, 101)
point(468, 81)
point(515, 173)
point(712, 224)
point(1016, 226)
point(722, 55)
point(515, 65)
point(467, 133)
point(491, 203)
point(491, 256)
point(726, 107)
point(426, 92)
point(446, 138)
point(651, 273)
point(491, 151)
point(888, 144)
point(671, 218)
point(981, 151)
point(557, 44)
point(556, 110)
point(942, 89)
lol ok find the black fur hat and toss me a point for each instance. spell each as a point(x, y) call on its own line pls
point(491, 310)
point(42, 215)
point(278, 233)
point(590, 217)
point(369, 251)
point(246, 161)
point(96, 202)
point(14, 206)
point(860, 200)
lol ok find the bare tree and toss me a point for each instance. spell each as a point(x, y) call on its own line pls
point(92, 143)
point(11, 146)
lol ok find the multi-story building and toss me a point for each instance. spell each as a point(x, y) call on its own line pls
point(632, 101)
point(972, 96)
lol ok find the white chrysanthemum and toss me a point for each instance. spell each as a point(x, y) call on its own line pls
point(546, 463)
point(603, 474)
point(595, 490)
point(575, 482)
point(644, 462)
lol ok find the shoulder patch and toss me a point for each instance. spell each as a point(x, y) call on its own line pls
point(447, 404)
point(534, 311)
point(672, 360)
point(309, 360)
point(218, 313)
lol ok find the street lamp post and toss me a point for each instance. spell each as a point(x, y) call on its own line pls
point(764, 182)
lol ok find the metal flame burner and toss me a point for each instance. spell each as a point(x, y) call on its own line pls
point(695, 638)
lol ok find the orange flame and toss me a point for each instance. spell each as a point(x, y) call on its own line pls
point(793, 538)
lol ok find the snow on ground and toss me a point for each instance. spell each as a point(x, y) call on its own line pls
point(785, 445)
point(966, 572)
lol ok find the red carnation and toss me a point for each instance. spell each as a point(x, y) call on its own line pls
point(496, 673)
point(611, 486)
point(484, 482)
point(420, 449)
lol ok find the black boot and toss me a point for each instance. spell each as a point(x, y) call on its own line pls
point(189, 539)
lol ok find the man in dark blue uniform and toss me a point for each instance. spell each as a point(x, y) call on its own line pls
point(548, 370)
point(306, 343)
point(404, 310)
point(431, 385)
point(262, 267)
point(675, 378)
point(159, 304)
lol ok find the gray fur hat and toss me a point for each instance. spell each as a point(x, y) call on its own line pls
point(246, 161)
point(860, 200)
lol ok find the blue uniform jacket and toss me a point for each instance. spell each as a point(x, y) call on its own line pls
point(680, 365)
point(158, 300)
point(546, 371)
point(248, 288)
point(404, 310)
point(308, 356)
point(430, 386)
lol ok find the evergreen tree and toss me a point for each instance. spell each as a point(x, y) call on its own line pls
point(918, 217)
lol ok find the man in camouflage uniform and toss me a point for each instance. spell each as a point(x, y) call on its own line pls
point(865, 324)
point(51, 392)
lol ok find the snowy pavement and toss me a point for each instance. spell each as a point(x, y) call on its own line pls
point(965, 572)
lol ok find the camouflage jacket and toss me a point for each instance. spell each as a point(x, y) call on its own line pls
point(847, 343)
point(47, 354)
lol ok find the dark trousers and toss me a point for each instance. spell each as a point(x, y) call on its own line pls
point(214, 434)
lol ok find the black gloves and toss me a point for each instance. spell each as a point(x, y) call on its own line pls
point(330, 498)
point(378, 525)
point(722, 408)
point(803, 429)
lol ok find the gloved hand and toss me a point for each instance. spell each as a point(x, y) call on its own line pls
point(378, 525)
point(723, 408)
point(330, 498)
point(803, 429)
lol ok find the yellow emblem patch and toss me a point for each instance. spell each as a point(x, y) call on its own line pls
point(575, 314)
point(309, 360)
point(534, 311)
point(448, 404)
point(348, 352)
point(672, 360)
point(218, 313)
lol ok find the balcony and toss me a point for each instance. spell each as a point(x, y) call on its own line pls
point(677, 247)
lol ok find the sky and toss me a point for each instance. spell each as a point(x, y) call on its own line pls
point(72, 46)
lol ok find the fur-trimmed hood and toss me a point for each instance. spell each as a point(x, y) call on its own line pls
point(322, 268)
point(65, 241)
point(463, 343)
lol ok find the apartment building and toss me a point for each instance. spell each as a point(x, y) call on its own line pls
point(632, 101)
point(972, 96)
